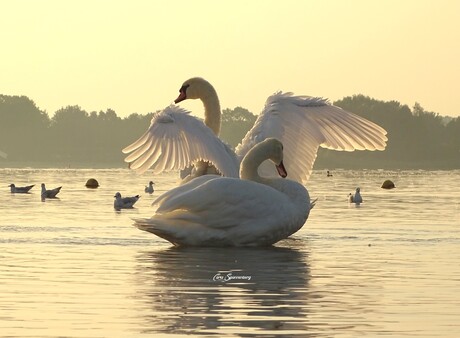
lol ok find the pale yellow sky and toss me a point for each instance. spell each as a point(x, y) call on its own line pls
point(132, 56)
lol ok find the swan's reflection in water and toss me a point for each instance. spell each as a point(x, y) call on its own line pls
point(225, 290)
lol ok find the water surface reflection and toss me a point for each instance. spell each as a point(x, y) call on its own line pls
point(184, 296)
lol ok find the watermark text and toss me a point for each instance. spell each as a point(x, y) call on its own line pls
point(222, 277)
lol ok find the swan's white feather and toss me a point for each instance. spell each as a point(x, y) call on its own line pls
point(225, 210)
point(174, 141)
point(303, 124)
point(183, 188)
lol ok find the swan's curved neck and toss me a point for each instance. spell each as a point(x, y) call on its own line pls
point(249, 166)
point(211, 110)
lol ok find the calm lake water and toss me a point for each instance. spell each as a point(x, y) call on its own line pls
point(75, 267)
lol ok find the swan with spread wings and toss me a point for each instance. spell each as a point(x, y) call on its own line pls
point(175, 139)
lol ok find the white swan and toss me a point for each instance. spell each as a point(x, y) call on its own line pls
point(20, 190)
point(124, 202)
point(301, 123)
point(220, 211)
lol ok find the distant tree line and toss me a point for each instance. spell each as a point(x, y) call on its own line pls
point(76, 138)
point(72, 137)
point(416, 138)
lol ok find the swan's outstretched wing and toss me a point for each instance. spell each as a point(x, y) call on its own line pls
point(174, 141)
point(304, 123)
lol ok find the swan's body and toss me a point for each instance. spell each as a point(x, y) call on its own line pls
point(301, 123)
point(149, 189)
point(49, 193)
point(356, 198)
point(221, 211)
point(20, 190)
point(124, 202)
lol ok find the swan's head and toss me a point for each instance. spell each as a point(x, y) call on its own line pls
point(117, 195)
point(269, 149)
point(194, 88)
point(358, 190)
point(43, 185)
point(151, 183)
point(12, 185)
point(275, 151)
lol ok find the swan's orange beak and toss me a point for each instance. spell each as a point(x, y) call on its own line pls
point(182, 96)
point(281, 170)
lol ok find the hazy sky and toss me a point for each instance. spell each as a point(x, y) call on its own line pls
point(132, 56)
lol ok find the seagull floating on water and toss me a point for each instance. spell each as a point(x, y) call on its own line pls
point(49, 193)
point(355, 198)
point(150, 189)
point(20, 190)
point(124, 202)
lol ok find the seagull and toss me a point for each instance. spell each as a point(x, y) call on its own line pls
point(124, 202)
point(49, 193)
point(20, 190)
point(150, 189)
point(356, 198)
